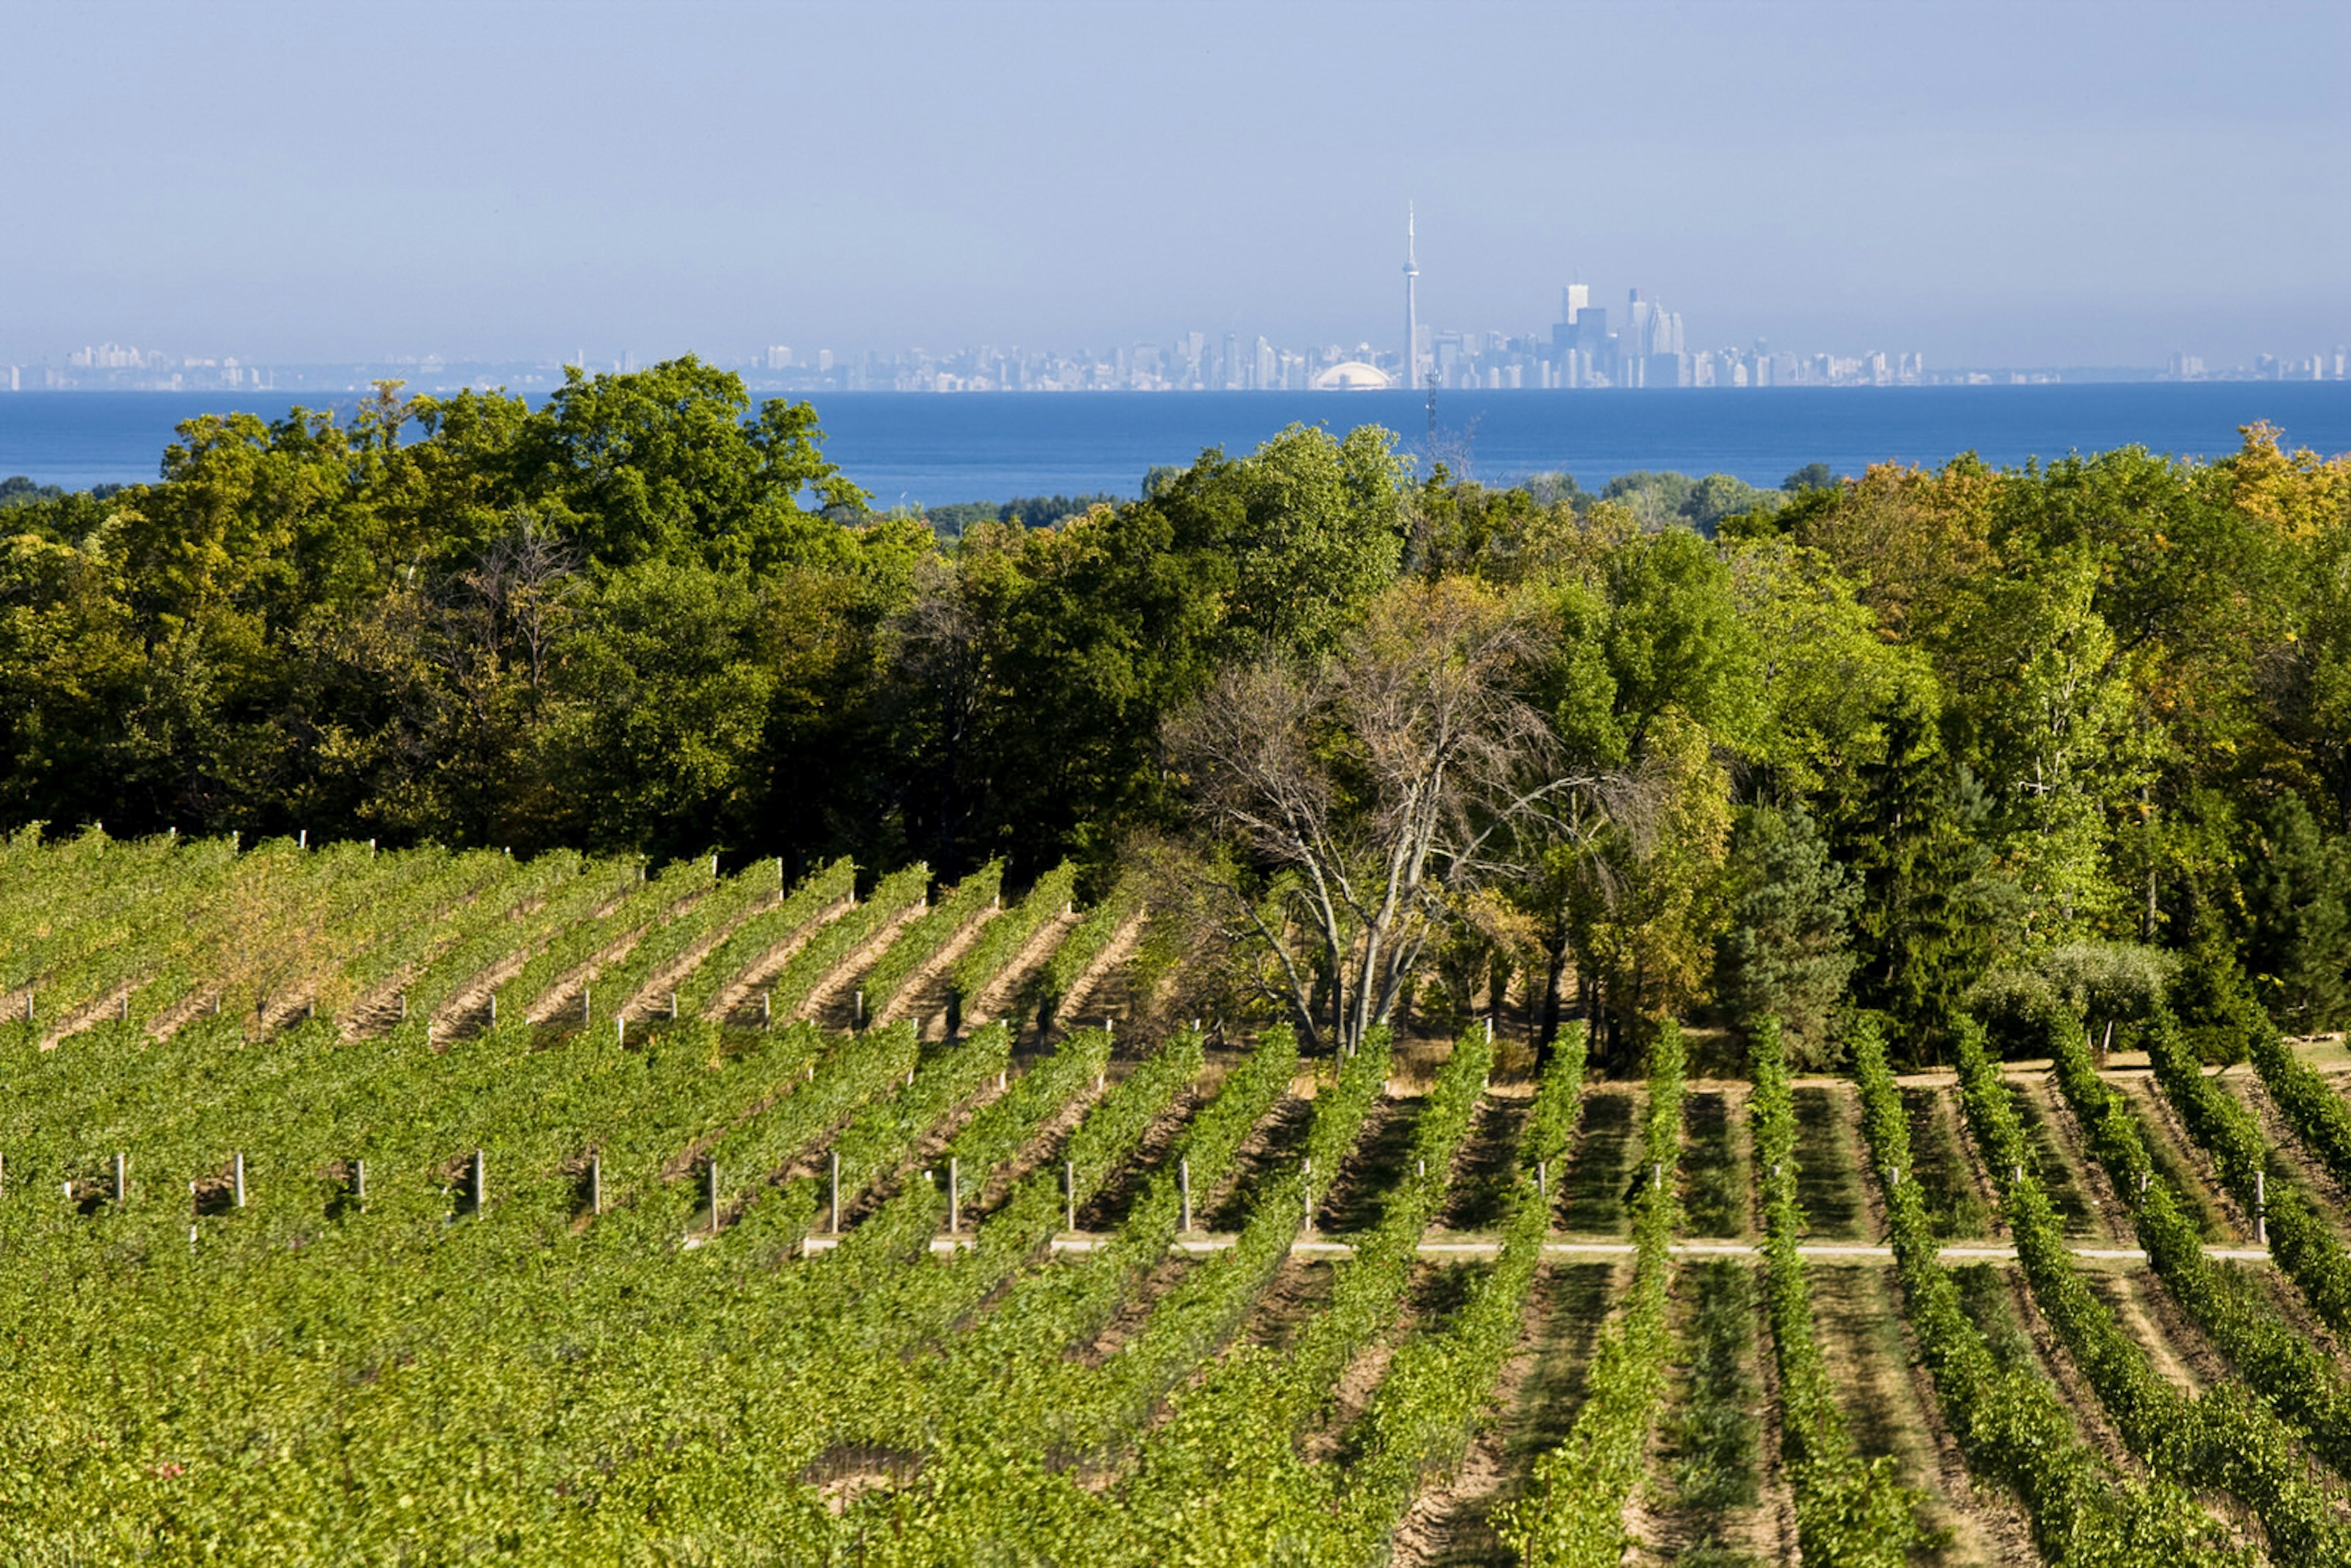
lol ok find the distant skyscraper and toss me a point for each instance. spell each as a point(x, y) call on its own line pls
point(1411, 304)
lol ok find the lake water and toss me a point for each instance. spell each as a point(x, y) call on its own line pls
point(929, 448)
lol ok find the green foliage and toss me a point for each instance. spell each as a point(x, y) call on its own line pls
point(1030, 511)
point(2297, 911)
point(2229, 1439)
point(1085, 944)
point(2302, 1240)
point(1849, 1510)
point(1574, 1514)
point(1200, 1479)
point(973, 898)
point(1928, 882)
point(1784, 953)
point(1437, 1385)
point(2291, 1373)
point(2097, 700)
point(1303, 532)
point(1659, 499)
point(792, 917)
point(2107, 982)
point(1004, 938)
point(2010, 1421)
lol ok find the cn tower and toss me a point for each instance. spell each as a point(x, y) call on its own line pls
point(1411, 306)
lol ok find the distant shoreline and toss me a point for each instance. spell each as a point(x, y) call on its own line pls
point(935, 449)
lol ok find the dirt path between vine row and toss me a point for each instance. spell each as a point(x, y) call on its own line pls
point(1115, 1197)
point(657, 997)
point(583, 975)
point(1856, 1317)
point(1101, 991)
point(924, 997)
point(824, 1005)
point(2140, 1303)
point(1450, 1522)
point(2330, 1196)
point(736, 992)
point(1039, 1150)
point(1005, 989)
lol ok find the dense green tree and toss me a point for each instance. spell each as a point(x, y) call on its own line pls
point(2031, 711)
point(1659, 632)
point(1824, 674)
point(666, 462)
point(1785, 950)
point(2297, 902)
point(1930, 892)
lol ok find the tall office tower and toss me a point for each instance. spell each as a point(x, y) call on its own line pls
point(1234, 376)
point(1572, 299)
point(1411, 304)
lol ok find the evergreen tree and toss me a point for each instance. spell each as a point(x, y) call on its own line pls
point(1787, 951)
point(1921, 932)
point(2211, 996)
point(2298, 927)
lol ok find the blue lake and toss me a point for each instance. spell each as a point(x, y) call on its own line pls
point(929, 449)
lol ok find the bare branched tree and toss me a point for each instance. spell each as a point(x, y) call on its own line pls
point(503, 615)
point(1354, 805)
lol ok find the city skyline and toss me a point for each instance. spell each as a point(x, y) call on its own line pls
point(1649, 348)
point(2097, 185)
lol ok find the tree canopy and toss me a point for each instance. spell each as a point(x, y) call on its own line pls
point(1875, 737)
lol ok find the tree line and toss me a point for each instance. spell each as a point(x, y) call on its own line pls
point(1381, 740)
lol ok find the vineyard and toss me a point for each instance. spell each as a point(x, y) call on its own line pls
point(426, 1206)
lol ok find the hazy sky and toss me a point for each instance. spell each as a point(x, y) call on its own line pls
point(2039, 183)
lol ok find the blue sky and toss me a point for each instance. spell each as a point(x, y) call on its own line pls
point(2043, 183)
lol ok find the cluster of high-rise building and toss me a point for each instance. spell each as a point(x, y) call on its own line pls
point(2320, 367)
point(119, 367)
point(1638, 345)
point(1642, 345)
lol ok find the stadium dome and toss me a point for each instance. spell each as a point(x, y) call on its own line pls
point(1351, 375)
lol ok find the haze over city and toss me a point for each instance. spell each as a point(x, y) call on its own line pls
point(292, 185)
